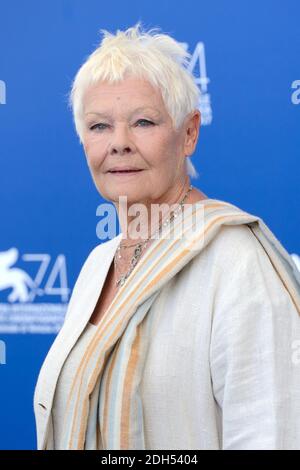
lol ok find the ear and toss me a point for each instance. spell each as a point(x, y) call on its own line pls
point(192, 128)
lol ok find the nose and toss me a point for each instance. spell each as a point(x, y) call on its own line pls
point(121, 143)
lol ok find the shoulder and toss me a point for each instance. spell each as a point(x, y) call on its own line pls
point(249, 293)
point(239, 237)
point(233, 236)
point(235, 246)
point(245, 274)
point(249, 286)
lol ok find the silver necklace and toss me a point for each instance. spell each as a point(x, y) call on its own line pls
point(140, 246)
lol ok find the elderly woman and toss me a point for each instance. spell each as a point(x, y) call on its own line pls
point(184, 334)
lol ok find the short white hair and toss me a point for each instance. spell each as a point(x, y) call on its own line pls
point(158, 58)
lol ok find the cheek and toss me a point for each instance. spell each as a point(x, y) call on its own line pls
point(157, 146)
point(94, 152)
point(165, 152)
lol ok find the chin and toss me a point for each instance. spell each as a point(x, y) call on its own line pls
point(130, 195)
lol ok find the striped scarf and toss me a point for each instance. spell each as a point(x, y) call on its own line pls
point(104, 405)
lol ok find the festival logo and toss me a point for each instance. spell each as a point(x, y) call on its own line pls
point(33, 294)
point(197, 66)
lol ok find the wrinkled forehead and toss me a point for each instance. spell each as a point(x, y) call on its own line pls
point(129, 94)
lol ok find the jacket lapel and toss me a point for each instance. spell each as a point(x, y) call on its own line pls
point(82, 304)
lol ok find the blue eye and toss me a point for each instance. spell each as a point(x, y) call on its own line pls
point(97, 126)
point(101, 126)
point(146, 121)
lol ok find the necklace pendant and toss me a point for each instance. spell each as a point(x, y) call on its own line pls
point(122, 280)
point(137, 251)
point(134, 260)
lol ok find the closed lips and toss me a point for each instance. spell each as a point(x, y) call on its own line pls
point(125, 169)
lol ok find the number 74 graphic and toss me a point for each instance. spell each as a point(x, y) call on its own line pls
point(58, 274)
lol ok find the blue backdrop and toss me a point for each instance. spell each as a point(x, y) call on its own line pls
point(246, 56)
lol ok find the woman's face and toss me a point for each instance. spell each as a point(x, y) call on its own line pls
point(127, 124)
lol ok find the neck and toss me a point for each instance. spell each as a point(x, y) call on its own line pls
point(139, 228)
